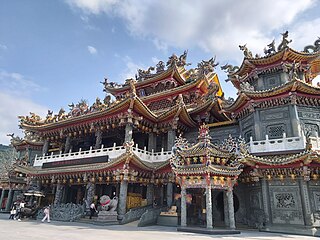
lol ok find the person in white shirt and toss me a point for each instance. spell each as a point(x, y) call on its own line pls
point(92, 209)
point(46, 214)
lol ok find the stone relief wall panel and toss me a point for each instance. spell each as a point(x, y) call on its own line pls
point(241, 213)
point(310, 118)
point(310, 113)
point(286, 205)
point(220, 133)
point(275, 117)
point(315, 201)
point(271, 81)
point(254, 207)
point(192, 135)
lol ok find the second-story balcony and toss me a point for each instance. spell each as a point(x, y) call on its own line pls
point(110, 152)
point(284, 144)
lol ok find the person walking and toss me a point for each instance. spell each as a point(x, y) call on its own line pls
point(46, 214)
point(13, 211)
point(92, 209)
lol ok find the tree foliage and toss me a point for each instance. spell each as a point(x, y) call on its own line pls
point(7, 159)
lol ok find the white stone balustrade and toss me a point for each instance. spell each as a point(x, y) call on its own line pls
point(112, 152)
point(152, 156)
point(277, 145)
point(315, 143)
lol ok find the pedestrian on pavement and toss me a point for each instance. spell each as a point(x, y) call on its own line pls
point(13, 211)
point(46, 212)
point(92, 209)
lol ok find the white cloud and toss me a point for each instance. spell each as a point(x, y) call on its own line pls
point(11, 107)
point(216, 26)
point(131, 68)
point(15, 94)
point(16, 83)
point(92, 50)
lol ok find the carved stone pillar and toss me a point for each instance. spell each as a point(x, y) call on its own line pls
point(306, 206)
point(257, 125)
point(295, 123)
point(152, 141)
point(122, 208)
point(225, 209)
point(169, 194)
point(15, 195)
point(209, 206)
point(9, 200)
point(171, 138)
point(67, 144)
point(183, 207)
point(45, 147)
point(161, 195)
point(58, 194)
point(231, 209)
point(2, 197)
point(128, 133)
point(266, 200)
point(98, 135)
point(90, 191)
point(150, 193)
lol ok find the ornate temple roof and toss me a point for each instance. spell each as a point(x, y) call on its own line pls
point(205, 157)
point(305, 157)
point(195, 91)
point(274, 60)
point(300, 88)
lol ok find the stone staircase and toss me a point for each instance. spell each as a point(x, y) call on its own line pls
point(94, 221)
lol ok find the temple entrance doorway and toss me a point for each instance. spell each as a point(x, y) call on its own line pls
point(196, 207)
point(220, 205)
point(75, 194)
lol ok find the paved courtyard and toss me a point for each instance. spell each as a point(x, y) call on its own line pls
point(35, 230)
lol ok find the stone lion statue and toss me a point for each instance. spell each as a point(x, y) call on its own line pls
point(108, 204)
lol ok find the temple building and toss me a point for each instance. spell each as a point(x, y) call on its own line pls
point(170, 138)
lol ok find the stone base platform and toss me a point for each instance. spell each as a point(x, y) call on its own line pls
point(208, 231)
point(298, 230)
point(106, 216)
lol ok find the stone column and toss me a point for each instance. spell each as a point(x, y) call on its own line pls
point(150, 193)
point(266, 200)
point(128, 133)
point(9, 200)
point(58, 194)
point(2, 197)
point(209, 207)
point(45, 147)
point(67, 145)
point(161, 195)
point(295, 123)
point(231, 209)
point(305, 199)
point(171, 138)
point(90, 191)
point(225, 209)
point(183, 207)
point(98, 135)
point(15, 195)
point(152, 141)
point(257, 125)
point(169, 194)
point(122, 208)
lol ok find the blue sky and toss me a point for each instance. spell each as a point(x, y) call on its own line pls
point(53, 53)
